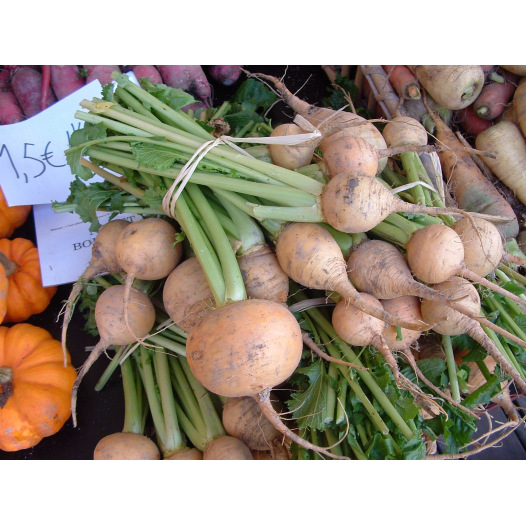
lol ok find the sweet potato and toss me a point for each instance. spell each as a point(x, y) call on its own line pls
point(26, 83)
point(10, 110)
point(191, 79)
point(149, 72)
point(65, 80)
point(101, 73)
point(225, 75)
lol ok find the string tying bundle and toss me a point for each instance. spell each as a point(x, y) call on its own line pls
point(177, 187)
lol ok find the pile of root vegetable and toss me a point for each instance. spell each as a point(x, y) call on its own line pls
point(344, 285)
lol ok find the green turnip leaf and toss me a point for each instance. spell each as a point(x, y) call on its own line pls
point(308, 407)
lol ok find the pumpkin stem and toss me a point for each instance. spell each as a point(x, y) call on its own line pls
point(6, 385)
point(10, 266)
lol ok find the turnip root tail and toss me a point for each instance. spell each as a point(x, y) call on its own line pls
point(505, 402)
point(311, 344)
point(295, 103)
point(378, 341)
point(101, 346)
point(476, 332)
point(436, 210)
point(472, 276)
point(263, 399)
point(69, 305)
point(514, 259)
point(327, 120)
point(490, 325)
point(412, 362)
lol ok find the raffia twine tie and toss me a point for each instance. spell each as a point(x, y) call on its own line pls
point(175, 190)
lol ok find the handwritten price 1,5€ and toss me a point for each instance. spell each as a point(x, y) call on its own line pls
point(35, 159)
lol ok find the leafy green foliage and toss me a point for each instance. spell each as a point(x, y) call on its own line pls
point(521, 322)
point(382, 448)
point(456, 427)
point(361, 439)
point(88, 199)
point(159, 157)
point(108, 92)
point(414, 449)
point(337, 96)
point(513, 287)
point(251, 100)
point(80, 137)
point(464, 342)
point(308, 406)
point(485, 392)
point(155, 156)
point(175, 98)
point(435, 370)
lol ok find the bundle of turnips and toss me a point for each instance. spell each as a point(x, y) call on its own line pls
point(310, 213)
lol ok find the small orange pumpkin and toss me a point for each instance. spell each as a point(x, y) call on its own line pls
point(25, 294)
point(35, 386)
point(11, 217)
point(4, 284)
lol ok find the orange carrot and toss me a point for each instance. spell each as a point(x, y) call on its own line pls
point(403, 81)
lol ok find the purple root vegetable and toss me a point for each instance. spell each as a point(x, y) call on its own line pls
point(65, 80)
point(10, 110)
point(147, 72)
point(225, 75)
point(4, 80)
point(101, 73)
point(191, 79)
point(26, 84)
point(196, 108)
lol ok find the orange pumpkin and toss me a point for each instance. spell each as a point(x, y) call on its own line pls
point(11, 217)
point(35, 386)
point(4, 284)
point(25, 294)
